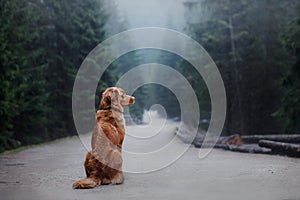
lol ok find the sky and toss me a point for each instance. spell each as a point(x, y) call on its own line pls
point(153, 13)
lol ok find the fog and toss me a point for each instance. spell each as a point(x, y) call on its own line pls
point(152, 13)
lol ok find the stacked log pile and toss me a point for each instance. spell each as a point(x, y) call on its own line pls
point(288, 145)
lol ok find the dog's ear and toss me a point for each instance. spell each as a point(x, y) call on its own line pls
point(110, 97)
point(114, 96)
point(106, 100)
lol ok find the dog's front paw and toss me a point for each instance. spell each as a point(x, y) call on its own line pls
point(118, 179)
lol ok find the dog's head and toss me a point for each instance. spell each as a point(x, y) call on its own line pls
point(115, 97)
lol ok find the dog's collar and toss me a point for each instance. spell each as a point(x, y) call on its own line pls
point(111, 108)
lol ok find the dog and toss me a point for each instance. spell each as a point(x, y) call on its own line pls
point(103, 164)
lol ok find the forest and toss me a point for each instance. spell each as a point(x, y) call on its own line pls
point(255, 45)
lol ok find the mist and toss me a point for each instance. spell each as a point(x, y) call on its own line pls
point(152, 13)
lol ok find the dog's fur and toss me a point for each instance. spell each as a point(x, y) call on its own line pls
point(103, 165)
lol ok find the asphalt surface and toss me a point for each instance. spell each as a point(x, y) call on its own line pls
point(48, 171)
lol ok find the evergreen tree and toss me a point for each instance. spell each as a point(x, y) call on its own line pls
point(76, 27)
point(242, 39)
point(42, 46)
point(289, 111)
point(23, 94)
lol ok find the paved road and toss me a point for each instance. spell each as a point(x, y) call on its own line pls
point(48, 171)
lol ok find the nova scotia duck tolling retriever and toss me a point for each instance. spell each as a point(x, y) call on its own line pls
point(103, 164)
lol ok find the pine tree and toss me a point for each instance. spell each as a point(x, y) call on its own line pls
point(23, 94)
point(76, 27)
point(289, 111)
point(242, 39)
point(43, 43)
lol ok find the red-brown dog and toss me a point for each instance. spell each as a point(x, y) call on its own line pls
point(103, 165)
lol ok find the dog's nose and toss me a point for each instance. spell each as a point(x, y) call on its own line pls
point(132, 99)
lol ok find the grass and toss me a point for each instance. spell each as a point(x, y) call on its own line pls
point(23, 148)
point(17, 150)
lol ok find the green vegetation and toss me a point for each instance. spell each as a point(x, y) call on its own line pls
point(289, 112)
point(42, 46)
point(255, 44)
point(244, 39)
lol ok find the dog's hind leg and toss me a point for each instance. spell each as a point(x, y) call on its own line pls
point(91, 181)
point(88, 157)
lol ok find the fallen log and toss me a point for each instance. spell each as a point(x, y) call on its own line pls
point(245, 144)
point(230, 140)
point(250, 139)
point(281, 148)
point(245, 148)
point(185, 135)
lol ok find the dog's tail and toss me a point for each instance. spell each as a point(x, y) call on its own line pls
point(87, 183)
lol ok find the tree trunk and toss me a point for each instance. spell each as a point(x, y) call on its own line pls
point(236, 74)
